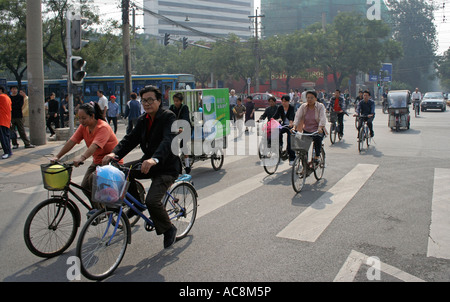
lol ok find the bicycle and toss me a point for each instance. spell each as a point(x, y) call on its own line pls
point(335, 128)
point(301, 169)
point(271, 157)
point(104, 238)
point(416, 105)
point(52, 225)
point(363, 133)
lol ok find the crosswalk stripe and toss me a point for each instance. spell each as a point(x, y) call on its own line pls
point(310, 224)
point(439, 236)
point(219, 199)
point(350, 268)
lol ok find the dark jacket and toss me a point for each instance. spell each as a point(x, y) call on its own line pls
point(341, 104)
point(269, 112)
point(181, 113)
point(289, 115)
point(154, 144)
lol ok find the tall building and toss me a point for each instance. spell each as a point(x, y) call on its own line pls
point(198, 19)
point(287, 16)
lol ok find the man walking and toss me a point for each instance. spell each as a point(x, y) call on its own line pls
point(18, 100)
point(113, 112)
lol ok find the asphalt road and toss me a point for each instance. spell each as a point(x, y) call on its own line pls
point(374, 217)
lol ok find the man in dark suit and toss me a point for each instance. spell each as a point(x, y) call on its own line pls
point(153, 134)
point(285, 115)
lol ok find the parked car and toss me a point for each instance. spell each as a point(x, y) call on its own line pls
point(433, 100)
point(261, 100)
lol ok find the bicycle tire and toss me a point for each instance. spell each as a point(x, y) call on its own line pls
point(361, 140)
point(298, 175)
point(319, 168)
point(181, 206)
point(99, 253)
point(217, 159)
point(45, 240)
point(271, 161)
point(333, 133)
point(367, 135)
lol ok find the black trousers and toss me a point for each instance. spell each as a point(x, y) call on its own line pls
point(158, 188)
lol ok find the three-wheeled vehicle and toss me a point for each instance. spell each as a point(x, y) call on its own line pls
point(205, 137)
point(398, 108)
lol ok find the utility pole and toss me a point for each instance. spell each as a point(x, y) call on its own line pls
point(126, 49)
point(256, 16)
point(35, 58)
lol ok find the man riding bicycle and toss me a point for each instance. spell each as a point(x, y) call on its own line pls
point(366, 107)
point(416, 96)
point(337, 104)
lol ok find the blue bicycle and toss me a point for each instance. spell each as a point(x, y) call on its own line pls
point(105, 236)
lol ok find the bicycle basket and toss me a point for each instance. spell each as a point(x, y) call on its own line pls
point(332, 117)
point(109, 185)
point(56, 177)
point(300, 142)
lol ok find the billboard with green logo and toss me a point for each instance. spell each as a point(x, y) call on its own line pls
point(214, 106)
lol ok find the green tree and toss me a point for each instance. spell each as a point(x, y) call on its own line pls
point(413, 27)
point(443, 67)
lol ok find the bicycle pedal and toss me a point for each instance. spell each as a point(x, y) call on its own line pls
point(148, 227)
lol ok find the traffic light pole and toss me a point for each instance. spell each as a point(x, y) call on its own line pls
point(69, 82)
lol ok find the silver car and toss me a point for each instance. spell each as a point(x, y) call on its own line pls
point(433, 100)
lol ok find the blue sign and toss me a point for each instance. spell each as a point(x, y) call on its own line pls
point(386, 72)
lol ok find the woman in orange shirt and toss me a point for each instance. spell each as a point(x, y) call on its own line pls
point(99, 138)
point(5, 123)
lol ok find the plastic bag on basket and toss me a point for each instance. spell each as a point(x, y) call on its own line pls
point(272, 125)
point(109, 184)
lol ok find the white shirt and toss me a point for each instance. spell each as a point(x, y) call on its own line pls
point(103, 102)
point(416, 95)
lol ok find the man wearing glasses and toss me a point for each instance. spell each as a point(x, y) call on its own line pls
point(153, 134)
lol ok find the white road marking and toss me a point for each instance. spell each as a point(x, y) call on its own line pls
point(310, 224)
point(351, 266)
point(439, 237)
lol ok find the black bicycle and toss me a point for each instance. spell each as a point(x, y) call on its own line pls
point(52, 225)
point(335, 128)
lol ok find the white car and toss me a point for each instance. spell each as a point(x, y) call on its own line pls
point(433, 100)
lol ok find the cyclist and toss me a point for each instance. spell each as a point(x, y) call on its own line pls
point(270, 111)
point(337, 104)
point(358, 99)
point(100, 141)
point(153, 134)
point(182, 113)
point(285, 115)
point(416, 96)
point(366, 107)
point(311, 117)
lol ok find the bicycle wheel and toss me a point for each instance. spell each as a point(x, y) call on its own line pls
point(319, 167)
point(333, 133)
point(217, 159)
point(102, 243)
point(270, 161)
point(181, 206)
point(51, 227)
point(361, 139)
point(367, 135)
point(298, 173)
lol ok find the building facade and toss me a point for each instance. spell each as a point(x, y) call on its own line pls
point(287, 16)
point(198, 19)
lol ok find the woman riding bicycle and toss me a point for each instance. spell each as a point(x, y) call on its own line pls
point(100, 141)
point(311, 117)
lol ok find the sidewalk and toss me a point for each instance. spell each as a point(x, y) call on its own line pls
point(29, 160)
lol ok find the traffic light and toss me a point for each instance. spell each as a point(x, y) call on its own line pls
point(76, 33)
point(166, 39)
point(77, 73)
point(185, 43)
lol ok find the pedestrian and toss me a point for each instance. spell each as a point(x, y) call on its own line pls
point(18, 99)
point(132, 112)
point(113, 112)
point(77, 102)
point(233, 102)
point(52, 105)
point(5, 123)
point(154, 135)
point(63, 105)
point(102, 102)
point(239, 112)
point(249, 113)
